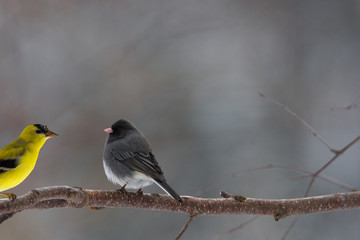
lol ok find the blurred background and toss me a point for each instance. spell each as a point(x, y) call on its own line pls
point(187, 73)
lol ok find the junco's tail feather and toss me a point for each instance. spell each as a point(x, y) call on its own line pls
point(168, 190)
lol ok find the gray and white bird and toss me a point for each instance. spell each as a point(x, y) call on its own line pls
point(129, 161)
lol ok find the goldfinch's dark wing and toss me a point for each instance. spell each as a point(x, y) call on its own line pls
point(9, 157)
point(141, 162)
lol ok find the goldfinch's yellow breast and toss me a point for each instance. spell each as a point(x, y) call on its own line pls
point(18, 159)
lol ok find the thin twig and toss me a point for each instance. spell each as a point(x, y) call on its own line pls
point(241, 226)
point(191, 218)
point(324, 177)
point(349, 107)
point(338, 153)
point(235, 174)
point(283, 106)
point(289, 228)
point(225, 177)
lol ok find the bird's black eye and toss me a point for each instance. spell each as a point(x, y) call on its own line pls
point(41, 128)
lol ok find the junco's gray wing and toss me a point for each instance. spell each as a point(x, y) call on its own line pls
point(141, 162)
point(146, 164)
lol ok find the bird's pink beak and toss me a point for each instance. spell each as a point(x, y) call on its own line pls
point(108, 130)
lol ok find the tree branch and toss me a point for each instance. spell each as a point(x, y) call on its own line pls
point(64, 196)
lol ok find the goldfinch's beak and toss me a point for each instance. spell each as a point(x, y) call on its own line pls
point(50, 134)
point(108, 130)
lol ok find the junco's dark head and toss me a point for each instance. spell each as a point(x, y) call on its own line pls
point(119, 129)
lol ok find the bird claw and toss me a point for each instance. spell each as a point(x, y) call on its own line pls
point(140, 191)
point(12, 197)
point(122, 189)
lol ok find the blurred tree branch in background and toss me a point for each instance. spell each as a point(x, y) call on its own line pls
point(336, 152)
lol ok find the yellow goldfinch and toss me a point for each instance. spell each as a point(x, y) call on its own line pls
point(18, 159)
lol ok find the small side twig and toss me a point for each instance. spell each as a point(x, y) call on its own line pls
point(271, 166)
point(241, 226)
point(337, 154)
point(289, 228)
point(349, 107)
point(191, 218)
point(291, 112)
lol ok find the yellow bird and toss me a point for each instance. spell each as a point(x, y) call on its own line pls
point(18, 159)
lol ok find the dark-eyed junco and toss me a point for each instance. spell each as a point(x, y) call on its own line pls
point(128, 160)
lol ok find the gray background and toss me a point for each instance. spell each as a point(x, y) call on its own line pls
point(187, 73)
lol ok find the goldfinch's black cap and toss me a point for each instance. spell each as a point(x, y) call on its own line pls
point(44, 130)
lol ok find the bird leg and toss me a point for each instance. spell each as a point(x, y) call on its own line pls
point(122, 189)
point(11, 196)
point(140, 191)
